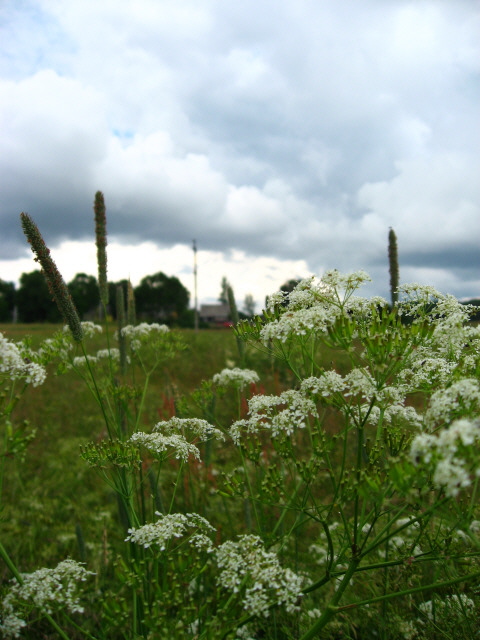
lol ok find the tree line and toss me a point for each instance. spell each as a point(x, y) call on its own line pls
point(158, 298)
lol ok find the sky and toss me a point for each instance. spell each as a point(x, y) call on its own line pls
point(285, 136)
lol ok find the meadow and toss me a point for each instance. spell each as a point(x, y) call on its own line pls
point(312, 473)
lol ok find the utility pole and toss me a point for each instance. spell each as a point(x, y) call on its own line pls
point(195, 285)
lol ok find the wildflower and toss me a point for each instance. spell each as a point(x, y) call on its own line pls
point(143, 330)
point(462, 398)
point(171, 526)
point(47, 589)
point(280, 414)
point(329, 383)
point(158, 443)
point(16, 366)
point(198, 427)
point(90, 329)
point(56, 284)
point(235, 377)
point(247, 565)
point(445, 451)
point(299, 323)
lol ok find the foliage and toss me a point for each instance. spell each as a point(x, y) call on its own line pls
point(7, 300)
point(84, 291)
point(224, 285)
point(34, 301)
point(160, 297)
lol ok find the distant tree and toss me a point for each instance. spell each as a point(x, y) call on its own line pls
point(112, 295)
point(85, 293)
point(289, 285)
point(7, 301)
point(249, 305)
point(393, 265)
point(160, 297)
point(223, 297)
point(34, 300)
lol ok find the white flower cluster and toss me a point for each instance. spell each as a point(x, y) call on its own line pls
point(171, 526)
point(112, 354)
point(358, 384)
point(460, 399)
point(395, 414)
point(198, 427)
point(158, 443)
point(280, 414)
point(89, 329)
point(442, 449)
point(237, 378)
point(451, 607)
point(143, 332)
point(425, 302)
point(47, 589)
point(18, 367)
point(298, 323)
point(314, 305)
point(246, 563)
point(425, 372)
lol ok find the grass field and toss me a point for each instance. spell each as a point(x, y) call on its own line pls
point(308, 495)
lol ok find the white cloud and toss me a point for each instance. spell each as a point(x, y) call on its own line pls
point(296, 131)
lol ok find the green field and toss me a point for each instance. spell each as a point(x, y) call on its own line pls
point(308, 494)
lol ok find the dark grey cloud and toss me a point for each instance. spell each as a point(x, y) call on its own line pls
point(296, 130)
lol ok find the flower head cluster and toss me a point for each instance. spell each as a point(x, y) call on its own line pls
point(175, 525)
point(279, 414)
point(449, 451)
point(247, 565)
point(89, 329)
point(427, 372)
point(47, 589)
point(199, 428)
point(159, 443)
point(237, 378)
point(461, 399)
point(143, 332)
point(314, 305)
point(450, 608)
point(423, 302)
point(16, 366)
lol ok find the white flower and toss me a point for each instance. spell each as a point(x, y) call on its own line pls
point(170, 526)
point(158, 443)
point(326, 385)
point(238, 378)
point(47, 589)
point(198, 427)
point(246, 564)
point(451, 471)
point(13, 363)
point(280, 414)
point(462, 397)
point(144, 329)
point(80, 361)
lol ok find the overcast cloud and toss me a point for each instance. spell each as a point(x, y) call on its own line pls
point(286, 136)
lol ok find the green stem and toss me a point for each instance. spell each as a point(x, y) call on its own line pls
point(332, 608)
point(407, 592)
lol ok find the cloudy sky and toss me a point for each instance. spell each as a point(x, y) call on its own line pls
point(285, 136)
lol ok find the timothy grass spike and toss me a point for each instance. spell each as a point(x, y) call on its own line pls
point(55, 282)
point(101, 242)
